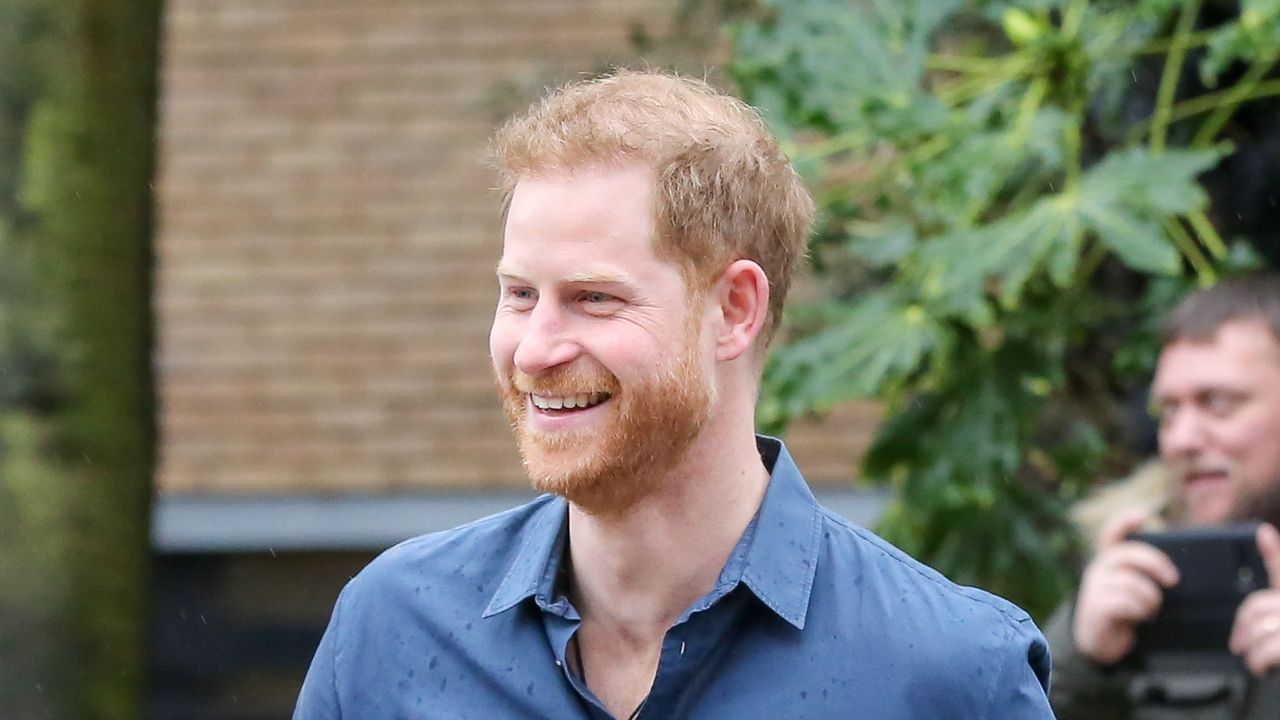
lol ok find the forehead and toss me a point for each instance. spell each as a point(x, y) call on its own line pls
point(1242, 354)
point(590, 221)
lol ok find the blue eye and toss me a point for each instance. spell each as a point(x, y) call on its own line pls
point(598, 297)
point(520, 298)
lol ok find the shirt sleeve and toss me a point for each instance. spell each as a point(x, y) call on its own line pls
point(318, 699)
point(1022, 684)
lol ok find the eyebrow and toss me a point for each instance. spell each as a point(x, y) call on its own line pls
point(596, 278)
point(582, 278)
point(1199, 391)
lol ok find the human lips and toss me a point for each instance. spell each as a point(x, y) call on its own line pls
point(1210, 492)
point(564, 398)
point(1200, 484)
point(1192, 476)
point(564, 412)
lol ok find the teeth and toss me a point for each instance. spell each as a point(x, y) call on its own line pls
point(568, 402)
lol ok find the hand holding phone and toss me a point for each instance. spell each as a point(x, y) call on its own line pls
point(1122, 586)
point(1255, 635)
point(1218, 568)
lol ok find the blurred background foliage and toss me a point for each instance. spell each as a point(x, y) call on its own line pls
point(77, 96)
point(1011, 193)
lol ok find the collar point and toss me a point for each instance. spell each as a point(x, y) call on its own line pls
point(497, 606)
point(795, 617)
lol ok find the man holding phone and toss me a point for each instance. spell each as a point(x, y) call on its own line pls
point(1217, 396)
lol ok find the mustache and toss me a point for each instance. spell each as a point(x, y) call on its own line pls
point(569, 380)
point(1199, 467)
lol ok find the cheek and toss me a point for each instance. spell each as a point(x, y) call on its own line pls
point(1254, 444)
point(503, 339)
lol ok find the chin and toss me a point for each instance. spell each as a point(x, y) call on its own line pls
point(590, 481)
point(552, 469)
point(1215, 512)
point(594, 493)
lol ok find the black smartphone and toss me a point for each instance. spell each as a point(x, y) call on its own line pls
point(1218, 567)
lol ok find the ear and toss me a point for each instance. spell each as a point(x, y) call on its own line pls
point(742, 293)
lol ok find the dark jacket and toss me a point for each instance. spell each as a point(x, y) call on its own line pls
point(1084, 690)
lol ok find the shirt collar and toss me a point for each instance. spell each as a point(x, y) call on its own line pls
point(537, 562)
point(781, 555)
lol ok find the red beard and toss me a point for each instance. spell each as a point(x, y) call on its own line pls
point(608, 468)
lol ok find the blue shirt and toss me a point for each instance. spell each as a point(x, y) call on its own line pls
point(812, 617)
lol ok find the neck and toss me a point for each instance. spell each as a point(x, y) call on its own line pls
point(635, 573)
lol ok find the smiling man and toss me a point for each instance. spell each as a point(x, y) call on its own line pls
point(1216, 393)
point(585, 307)
point(678, 566)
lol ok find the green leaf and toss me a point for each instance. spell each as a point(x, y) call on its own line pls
point(883, 244)
point(959, 266)
point(1022, 28)
point(968, 174)
point(953, 456)
point(874, 343)
point(1124, 203)
point(1163, 184)
point(1253, 36)
point(1044, 141)
point(1139, 242)
point(810, 47)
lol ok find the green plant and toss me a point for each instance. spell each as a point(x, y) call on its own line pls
point(77, 130)
point(1007, 190)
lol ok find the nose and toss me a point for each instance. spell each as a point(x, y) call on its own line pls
point(1182, 434)
point(546, 341)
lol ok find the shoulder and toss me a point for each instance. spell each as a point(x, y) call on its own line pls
point(963, 639)
point(913, 606)
point(474, 555)
point(888, 568)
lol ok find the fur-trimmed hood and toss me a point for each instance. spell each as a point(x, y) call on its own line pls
point(1149, 487)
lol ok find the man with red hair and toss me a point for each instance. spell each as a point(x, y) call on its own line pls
point(678, 567)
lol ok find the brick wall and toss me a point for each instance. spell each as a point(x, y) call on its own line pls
point(326, 238)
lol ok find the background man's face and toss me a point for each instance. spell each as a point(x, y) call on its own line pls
point(1219, 405)
point(596, 345)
